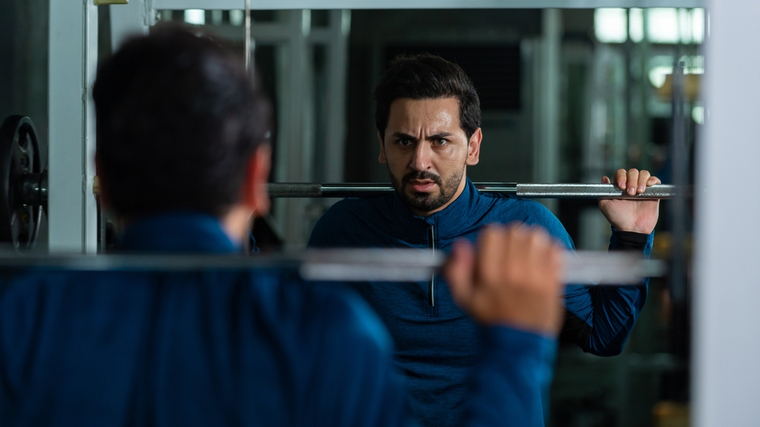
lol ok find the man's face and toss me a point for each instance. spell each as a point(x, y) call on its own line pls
point(427, 152)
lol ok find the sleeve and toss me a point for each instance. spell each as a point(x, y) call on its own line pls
point(359, 385)
point(510, 384)
point(600, 318)
point(355, 381)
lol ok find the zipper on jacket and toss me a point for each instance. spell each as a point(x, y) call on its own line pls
point(431, 286)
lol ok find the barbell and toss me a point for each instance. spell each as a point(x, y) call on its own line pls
point(533, 191)
point(335, 265)
point(24, 190)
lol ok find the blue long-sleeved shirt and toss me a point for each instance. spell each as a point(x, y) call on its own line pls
point(436, 342)
point(222, 347)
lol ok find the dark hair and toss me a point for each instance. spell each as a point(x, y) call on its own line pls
point(427, 76)
point(178, 119)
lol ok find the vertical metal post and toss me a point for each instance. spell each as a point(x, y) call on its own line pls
point(680, 159)
point(294, 140)
point(337, 68)
point(72, 210)
point(628, 133)
point(547, 117)
point(726, 377)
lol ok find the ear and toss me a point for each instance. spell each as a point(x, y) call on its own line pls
point(473, 150)
point(104, 200)
point(381, 158)
point(254, 190)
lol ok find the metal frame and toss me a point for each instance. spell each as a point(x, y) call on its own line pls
point(726, 378)
point(546, 113)
point(421, 4)
point(72, 209)
point(73, 35)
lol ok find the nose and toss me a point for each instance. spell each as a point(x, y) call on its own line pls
point(421, 159)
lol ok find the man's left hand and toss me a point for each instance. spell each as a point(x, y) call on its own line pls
point(639, 216)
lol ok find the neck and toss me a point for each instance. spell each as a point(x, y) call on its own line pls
point(236, 223)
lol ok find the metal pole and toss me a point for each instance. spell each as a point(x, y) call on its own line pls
point(247, 35)
point(72, 210)
point(547, 191)
point(679, 158)
point(590, 268)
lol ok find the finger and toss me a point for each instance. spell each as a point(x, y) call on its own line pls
point(633, 181)
point(459, 272)
point(653, 180)
point(491, 246)
point(543, 253)
point(643, 179)
point(556, 262)
point(620, 178)
point(605, 180)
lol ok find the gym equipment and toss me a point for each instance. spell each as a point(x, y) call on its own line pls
point(24, 186)
point(533, 191)
point(23, 191)
point(387, 265)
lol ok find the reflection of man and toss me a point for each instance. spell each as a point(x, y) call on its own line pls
point(428, 122)
point(183, 160)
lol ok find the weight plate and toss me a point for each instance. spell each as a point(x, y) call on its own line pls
point(19, 155)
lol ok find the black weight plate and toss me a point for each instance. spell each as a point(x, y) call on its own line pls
point(19, 155)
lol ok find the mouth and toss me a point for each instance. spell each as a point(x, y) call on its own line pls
point(421, 185)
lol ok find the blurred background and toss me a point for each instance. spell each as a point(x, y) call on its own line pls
point(567, 96)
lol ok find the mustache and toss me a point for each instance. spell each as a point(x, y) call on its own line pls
point(423, 175)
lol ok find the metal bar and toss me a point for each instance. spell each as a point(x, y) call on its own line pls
point(421, 4)
point(35, 190)
point(247, 35)
point(548, 100)
point(679, 156)
point(592, 191)
point(388, 265)
point(73, 47)
point(559, 191)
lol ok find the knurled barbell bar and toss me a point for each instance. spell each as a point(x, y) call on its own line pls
point(533, 191)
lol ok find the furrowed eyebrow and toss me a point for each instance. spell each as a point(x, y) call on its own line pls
point(401, 135)
point(440, 135)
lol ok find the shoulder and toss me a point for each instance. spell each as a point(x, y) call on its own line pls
point(529, 212)
point(351, 207)
point(349, 221)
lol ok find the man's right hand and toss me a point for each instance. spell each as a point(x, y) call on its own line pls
point(511, 279)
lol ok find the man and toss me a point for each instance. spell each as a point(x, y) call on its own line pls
point(183, 160)
point(428, 123)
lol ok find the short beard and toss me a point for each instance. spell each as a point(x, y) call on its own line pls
point(425, 202)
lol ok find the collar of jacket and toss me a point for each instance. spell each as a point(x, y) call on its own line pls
point(173, 232)
point(461, 215)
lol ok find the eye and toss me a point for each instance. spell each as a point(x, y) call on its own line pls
point(404, 142)
point(441, 141)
